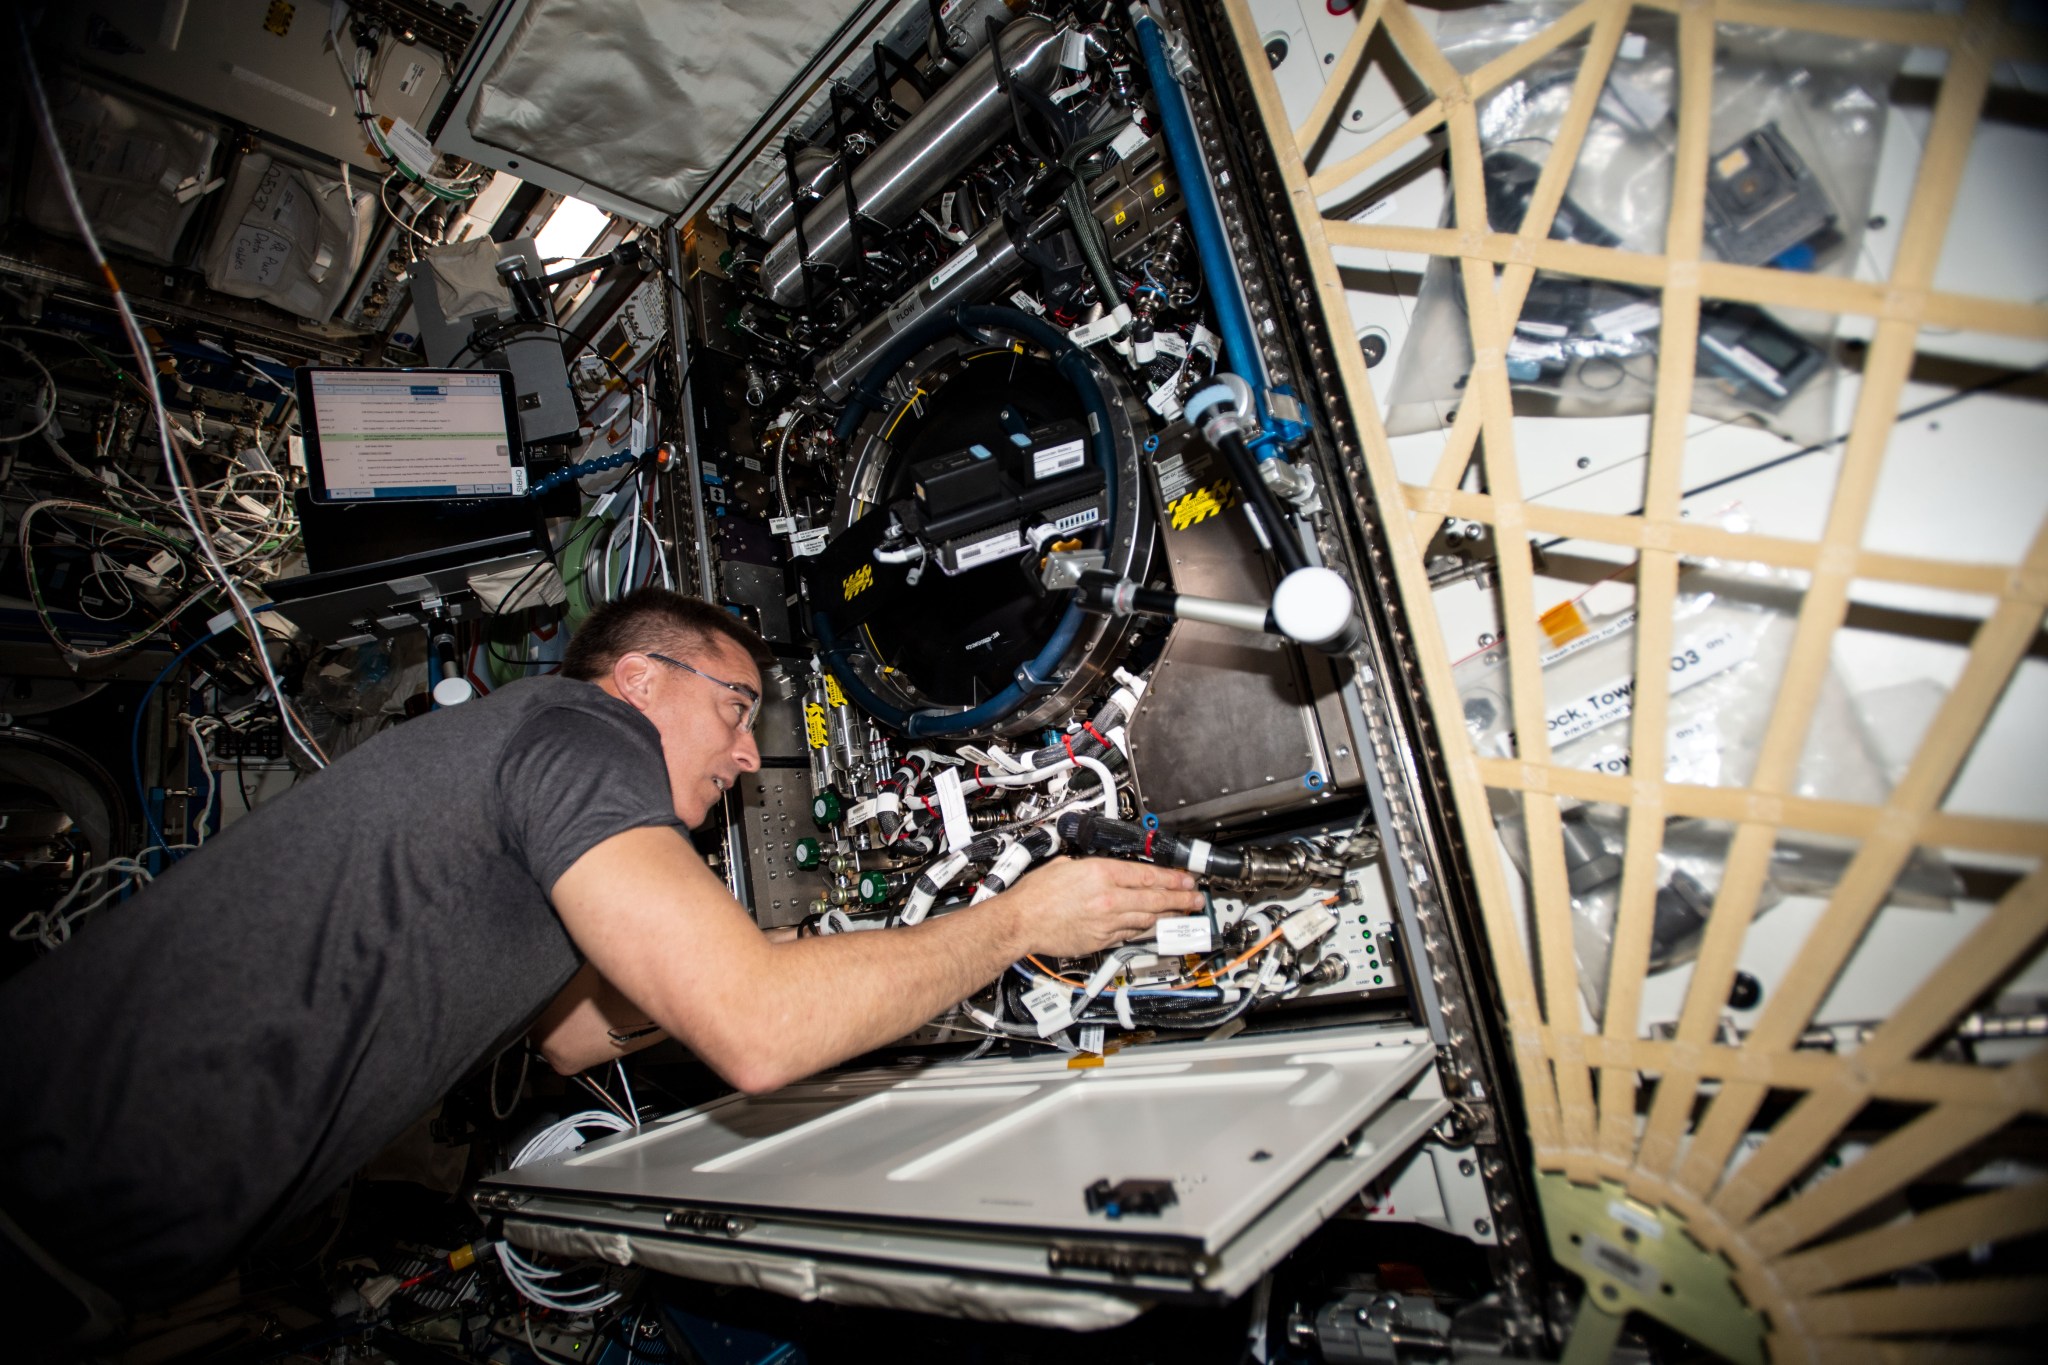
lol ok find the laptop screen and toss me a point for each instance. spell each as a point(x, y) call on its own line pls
point(373, 435)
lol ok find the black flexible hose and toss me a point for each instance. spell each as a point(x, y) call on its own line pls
point(1261, 504)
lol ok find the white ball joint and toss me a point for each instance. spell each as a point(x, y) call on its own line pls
point(1313, 606)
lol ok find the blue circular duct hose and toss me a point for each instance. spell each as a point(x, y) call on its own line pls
point(1036, 676)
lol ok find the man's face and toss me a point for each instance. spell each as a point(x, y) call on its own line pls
point(703, 736)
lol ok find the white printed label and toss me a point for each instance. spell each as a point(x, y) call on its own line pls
point(1305, 927)
point(1633, 46)
point(1088, 333)
point(414, 71)
point(410, 147)
point(1631, 319)
point(519, 481)
point(1171, 344)
point(782, 526)
point(1089, 1038)
point(1382, 208)
point(953, 809)
point(1128, 141)
point(804, 544)
point(1074, 521)
point(1051, 1008)
point(162, 562)
point(961, 260)
point(1028, 304)
point(1691, 662)
point(1180, 934)
point(1058, 459)
point(995, 547)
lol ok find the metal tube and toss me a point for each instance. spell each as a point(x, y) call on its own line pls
point(817, 171)
point(973, 275)
point(1212, 242)
point(679, 333)
point(969, 114)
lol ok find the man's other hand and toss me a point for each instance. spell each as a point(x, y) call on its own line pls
point(1073, 906)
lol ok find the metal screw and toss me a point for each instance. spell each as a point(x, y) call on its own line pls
point(1466, 1168)
point(1482, 1227)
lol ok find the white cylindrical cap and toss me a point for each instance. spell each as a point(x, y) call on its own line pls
point(1312, 605)
point(453, 691)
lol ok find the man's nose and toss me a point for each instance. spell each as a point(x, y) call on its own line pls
point(747, 754)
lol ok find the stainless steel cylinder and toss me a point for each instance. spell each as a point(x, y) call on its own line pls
point(973, 275)
point(967, 116)
point(817, 171)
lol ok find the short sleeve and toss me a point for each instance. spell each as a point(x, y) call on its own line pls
point(571, 778)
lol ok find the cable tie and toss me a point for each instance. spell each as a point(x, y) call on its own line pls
point(1068, 741)
point(1095, 734)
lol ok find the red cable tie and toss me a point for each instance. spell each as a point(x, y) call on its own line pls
point(1096, 735)
point(1069, 742)
point(1147, 854)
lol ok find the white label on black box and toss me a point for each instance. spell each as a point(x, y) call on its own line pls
point(1058, 459)
point(995, 547)
point(812, 542)
point(1631, 319)
point(1182, 934)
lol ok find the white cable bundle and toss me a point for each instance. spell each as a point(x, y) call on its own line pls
point(532, 1281)
point(564, 1136)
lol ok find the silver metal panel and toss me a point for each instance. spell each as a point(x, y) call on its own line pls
point(223, 57)
point(1013, 1145)
point(775, 809)
point(1246, 700)
point(986, 1275)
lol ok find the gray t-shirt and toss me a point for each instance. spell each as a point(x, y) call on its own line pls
point(204, 1063)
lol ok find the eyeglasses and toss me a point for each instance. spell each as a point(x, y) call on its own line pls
point(748, 694)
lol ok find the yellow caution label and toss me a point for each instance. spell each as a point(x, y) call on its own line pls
point(859, 581)
point(814, 724)
point(1196, 507)
point(1118, 221)
point(1159, 189)
point(832, 692)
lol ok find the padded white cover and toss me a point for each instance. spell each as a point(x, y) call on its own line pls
point(289, 236)
point(128, 161)
point(646, 98)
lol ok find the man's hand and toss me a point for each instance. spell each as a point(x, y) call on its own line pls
point(1072, 906)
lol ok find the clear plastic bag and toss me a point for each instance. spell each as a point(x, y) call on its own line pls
point(1731, 636)
point(1797, 124)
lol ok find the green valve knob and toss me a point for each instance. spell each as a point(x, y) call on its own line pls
point(874, 887)
point(809, 854)
point(725, 259)
point(826, 808)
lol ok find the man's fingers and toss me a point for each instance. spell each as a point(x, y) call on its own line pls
point(1142, 875)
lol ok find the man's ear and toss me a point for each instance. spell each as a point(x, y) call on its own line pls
point(632, 678)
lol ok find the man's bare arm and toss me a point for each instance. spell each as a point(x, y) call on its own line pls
point(659, 925)
point(590, 1023)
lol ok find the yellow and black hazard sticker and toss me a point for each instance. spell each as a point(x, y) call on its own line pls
point(814, 724)
point(859, 581)
point(832, 692)
point(1198, 505)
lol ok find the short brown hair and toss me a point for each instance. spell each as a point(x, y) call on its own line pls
point(654, 620)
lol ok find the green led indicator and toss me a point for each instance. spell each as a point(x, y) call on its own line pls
point(1376, 981)
point(1361, 919)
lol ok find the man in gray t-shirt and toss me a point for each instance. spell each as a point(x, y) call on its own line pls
point(204, 1064)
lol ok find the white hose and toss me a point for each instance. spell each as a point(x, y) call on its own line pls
point(939, 874)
